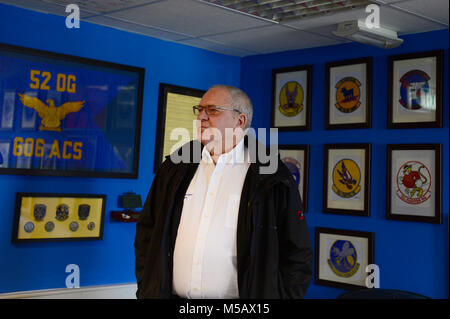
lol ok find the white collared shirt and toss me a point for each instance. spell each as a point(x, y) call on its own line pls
point(204, 260)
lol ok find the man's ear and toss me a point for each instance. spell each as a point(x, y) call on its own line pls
point(242, 120)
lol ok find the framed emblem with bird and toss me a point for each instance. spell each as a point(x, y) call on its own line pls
point(414, 182)
point(291, 98)
point(347, 179)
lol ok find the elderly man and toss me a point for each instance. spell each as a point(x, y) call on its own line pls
point(219, 228)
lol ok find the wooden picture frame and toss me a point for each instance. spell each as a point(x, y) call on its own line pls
point(291, 98)
point(415, 94)
point(346, 188)
point(296, 158)
point(58, 217)
point(174, 111)
point(348, 94)
point(413, 182)
point(341, 257)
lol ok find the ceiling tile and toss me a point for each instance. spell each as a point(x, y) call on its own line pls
point(273, 38)
point(217, 47)
point(136, 28)
point(101, 6)
point(189, 17)
point(434, 9)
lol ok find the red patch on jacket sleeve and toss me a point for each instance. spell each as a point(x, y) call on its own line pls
point(300, 215)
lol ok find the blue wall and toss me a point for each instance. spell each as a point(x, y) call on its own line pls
point(42, 265)
point(411, 256)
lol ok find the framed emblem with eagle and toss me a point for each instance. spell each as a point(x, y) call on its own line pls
point(291, 98)
point(415, 90)
point(346, 188)
point(414, 182)
point(348, 94)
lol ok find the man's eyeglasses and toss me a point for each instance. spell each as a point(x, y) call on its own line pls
point(211, 109)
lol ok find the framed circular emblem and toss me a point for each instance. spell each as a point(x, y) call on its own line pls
point(415, 90)
point(413, 183)
point(91, 226)
point(348, 95)
point(343, 259)
point(291, 99)
point(62, 212)
point(346, 178)
point(39, 212)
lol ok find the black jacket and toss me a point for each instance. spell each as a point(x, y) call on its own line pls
point(274, 255)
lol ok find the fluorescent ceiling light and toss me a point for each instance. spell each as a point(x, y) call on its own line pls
point(357, 31)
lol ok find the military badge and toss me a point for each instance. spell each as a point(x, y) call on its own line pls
point(413, 183)
point(83, 211)
point(343, 260)
point(91, 226)
point(291, 99)
point(415, 91)
point(348, 94)
point(39, 211)
point(62, 212)
point(346, 178)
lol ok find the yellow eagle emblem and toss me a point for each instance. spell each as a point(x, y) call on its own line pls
point(50, 114)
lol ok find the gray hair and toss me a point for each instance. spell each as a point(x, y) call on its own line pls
point(239, 100)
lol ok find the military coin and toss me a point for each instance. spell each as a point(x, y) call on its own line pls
point(91, 226)
point(73, 226)
point(49, 226)
point(28, 227)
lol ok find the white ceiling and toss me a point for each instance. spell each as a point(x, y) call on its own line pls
point(199, 24)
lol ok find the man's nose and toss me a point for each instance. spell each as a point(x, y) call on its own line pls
point(202, 115)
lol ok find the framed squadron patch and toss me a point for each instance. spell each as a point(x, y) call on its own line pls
point(291, 98)
point(415, 90)
point(296, 158)
point(414, 182)
point(349, 94)
point(342, 257)
point(347, 179)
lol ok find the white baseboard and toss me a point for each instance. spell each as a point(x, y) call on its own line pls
point(121, 291)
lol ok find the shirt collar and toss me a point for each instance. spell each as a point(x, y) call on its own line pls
point(233, 157)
